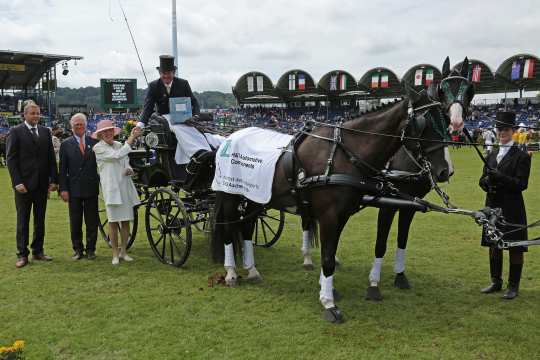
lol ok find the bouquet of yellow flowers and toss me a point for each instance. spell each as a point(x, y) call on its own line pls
point(13, 352)
point(130, 124)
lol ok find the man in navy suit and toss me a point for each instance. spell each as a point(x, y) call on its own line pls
point(167, 86)
point(79, 186)
point(32, 167)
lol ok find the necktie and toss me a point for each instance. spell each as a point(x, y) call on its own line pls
point(81, 144)
point(34, 133)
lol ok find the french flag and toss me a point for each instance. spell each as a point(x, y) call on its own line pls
point(528, 69)
point(301, 82)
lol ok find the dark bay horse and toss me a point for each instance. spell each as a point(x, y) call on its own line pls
point(455, 92)
point(356, 155)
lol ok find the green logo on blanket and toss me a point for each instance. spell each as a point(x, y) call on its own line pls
point(225, 148)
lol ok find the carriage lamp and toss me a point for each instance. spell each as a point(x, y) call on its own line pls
point(151, 140)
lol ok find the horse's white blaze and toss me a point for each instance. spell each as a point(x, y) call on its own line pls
point(449, 161)
point(375, 273)
point(229, 256)
point(326, 295)
point(456, 117)
point(399, 263)
point(247, 254)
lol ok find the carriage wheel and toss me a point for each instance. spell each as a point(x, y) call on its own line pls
point(104, 230)
point(168, 227)
point(268, 227)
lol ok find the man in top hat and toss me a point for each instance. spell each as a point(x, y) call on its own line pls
point(167, 86)
point(505, 177)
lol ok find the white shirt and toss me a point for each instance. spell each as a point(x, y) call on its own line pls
point(30, 127)
point(168, 88)
point(503, 150)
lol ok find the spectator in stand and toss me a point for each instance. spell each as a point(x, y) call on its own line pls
point(119, 192)
point(32, 167)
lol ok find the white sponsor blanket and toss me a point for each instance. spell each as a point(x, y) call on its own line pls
point(190, 140)
point(246, 161)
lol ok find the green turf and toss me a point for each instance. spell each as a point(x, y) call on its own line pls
point(147, 310)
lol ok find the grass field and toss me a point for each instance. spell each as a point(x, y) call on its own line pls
point(146, 310)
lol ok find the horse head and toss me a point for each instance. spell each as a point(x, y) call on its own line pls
point(455, 92)
point(428, 130)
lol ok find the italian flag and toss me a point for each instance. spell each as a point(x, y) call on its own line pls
point(384, 81)
point(429, 76)
point(528, 69)
point(418, 77)
point(375, 81)
point(342, 82)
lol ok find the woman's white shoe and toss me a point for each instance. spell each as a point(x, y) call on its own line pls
point(115, 260)
point(126, 257)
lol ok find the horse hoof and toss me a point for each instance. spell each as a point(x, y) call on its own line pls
point(333, 315)
point(231, 282)
point(337, 295)
point(373, 293)
point(401, 282)
point(309, 267)
point(254, 279)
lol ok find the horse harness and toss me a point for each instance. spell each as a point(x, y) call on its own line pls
point(378, 183)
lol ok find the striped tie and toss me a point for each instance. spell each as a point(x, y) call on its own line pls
point(81, 144)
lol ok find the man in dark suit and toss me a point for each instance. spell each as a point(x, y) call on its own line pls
point(167, 86)
point(32, 167)
point(504, 178)
point(79, 186)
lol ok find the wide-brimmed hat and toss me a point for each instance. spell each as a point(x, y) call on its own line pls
point(166, 63)
point(505, 119)
point(105, 125)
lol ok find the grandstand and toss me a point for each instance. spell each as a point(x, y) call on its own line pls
point(29, 76)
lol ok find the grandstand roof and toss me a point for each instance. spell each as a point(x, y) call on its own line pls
point(337, 82)
point(520, 72)
point(22, 70)
point(487, 83)
point(255, 86)
point(381, 82)
point(297, 83)
point(423, 71)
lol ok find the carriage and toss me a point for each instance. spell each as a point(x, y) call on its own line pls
point(177, 201)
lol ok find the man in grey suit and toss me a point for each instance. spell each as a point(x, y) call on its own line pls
point(167, 86)
point(32, 167)
point(79, 186)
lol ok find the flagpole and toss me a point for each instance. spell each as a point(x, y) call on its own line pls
point(174, 34)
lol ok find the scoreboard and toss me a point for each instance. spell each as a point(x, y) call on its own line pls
point(118, 93)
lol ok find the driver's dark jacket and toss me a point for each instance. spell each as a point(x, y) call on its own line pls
point(157, 96)
point(506, 192)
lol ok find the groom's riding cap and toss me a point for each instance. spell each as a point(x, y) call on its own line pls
point(167, 86)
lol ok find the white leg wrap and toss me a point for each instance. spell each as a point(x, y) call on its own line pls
point(399, 264)
point(306, 242)
point(229, 256)
point(247, 254)
point(375, 273)
point(326, 295)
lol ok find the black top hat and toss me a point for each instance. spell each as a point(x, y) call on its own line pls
point(166, 63)
point(505, 119)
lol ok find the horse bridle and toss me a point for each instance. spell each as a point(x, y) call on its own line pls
point(450, 96)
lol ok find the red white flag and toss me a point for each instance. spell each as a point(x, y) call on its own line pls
point(418, 77)
point(528, 69)
point(384, 81)
point(476, 72)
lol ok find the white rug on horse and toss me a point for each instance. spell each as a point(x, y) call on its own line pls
point(246, 161)
point(191, 140)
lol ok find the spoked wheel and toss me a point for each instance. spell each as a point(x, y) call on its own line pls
point(268, 227)
point(104, 229)
point(168, 227)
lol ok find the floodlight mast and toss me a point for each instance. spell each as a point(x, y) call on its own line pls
point(174, 35)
